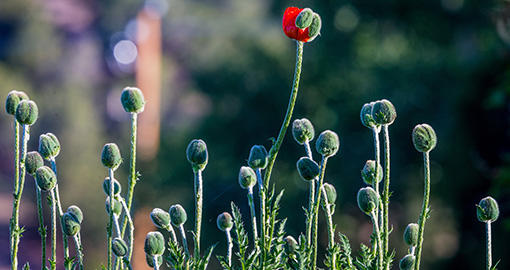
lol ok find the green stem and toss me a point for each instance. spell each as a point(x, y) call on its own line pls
point(184, 240)
point(311, 198)
point(79, 252)
point(109, 231)
point(424, 209)
point(53, 231)
point(379, 244)
point(386, 191)
point(132, 169)
point(60, 213)
point(198, 210)
point(132, 228)
point(155, 262)
point(489, 248)
point(14, 263)
point(331, 228)
point(262, 195)
point(253, 214)
point(42, 230)
point(377, 151)
point(320, 181)
point(230, 245)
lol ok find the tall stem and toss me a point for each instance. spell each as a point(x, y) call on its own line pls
point(14, 263)
point(489, 248)
point(184, 240)
point(79, 252)
point(386, 191)
point(132, 169)
point(109, 231)
point(42, 230)
point(379, 244)
point(316, 210)
point(311, 197)
point(60, 213)
point(251, 203)
point(424, 209)
point(198, 210)
point(262, 195)
point(53, 231)
point(230, 245)
point(331, 228)
point(132, 228)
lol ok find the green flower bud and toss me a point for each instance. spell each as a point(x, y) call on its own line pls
point(247, 177)
point(315, 28)
point(330, 193)
point(407, 263)
point(177, 215)
point(302, 130)
point(487, 210)
point(116, 187)
point(366, 115)
point(307, 168)
point(119, 247)
point(117, 206)
point(367, 200)
point(258, 158)
point(13, 99)
point(327, 144)
point(160, 218)
point(383, 112)
point(154, 244)
point(110, 157)
point(76, 212)
point(304, 18)
point(132, 100)
point(197, 154)
point(411, 234)
point(224, 221)
point(150, 262)
point(368, 173)
point(49, 146)
point(27, 112)
point(70, 224)
point(45, 178)
point(291, 245)
point(33, 161)
point(424, 138)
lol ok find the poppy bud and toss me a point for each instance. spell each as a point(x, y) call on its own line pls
point(315, 28)
point(367, 200)
point(119, 247)
point(76, 212)
point(424, 138)
point(411, 234)
point(247, 177)
point(33, 161)
point(407, 263)
point(307, 168)
point(304, 18)
point(160, 218)
point(302, 130)
point(116, 186)
point(178, 215)
point(110, 157)
point(117, 206)
point(70, 224)
point(13, 99)
point(154, 244)
point(150, 261)
point(327, 144)
point(27, 112)
point(383, 112)
point(49, 146)
point(291, 245)
point(487, 210)
point(132, 100)
point(368, 173)
point(258, 158)
point(197, 154)
point(366, 115)
point(330, 193)
point(45, 178)
point(224, 221)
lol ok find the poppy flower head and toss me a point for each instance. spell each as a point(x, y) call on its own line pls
point(306, 18)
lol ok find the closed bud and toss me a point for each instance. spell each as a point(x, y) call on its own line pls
point(291, 245)
point(258, 158)
point(315, 28)
point(70, 224)
point(383, 112)
point(330, 193)
point(424, 138)
point(411, 234)
point(224, 221)
point(27, 112)
point(45, 178)
point(76, 212)
point(150, 261)
point(33, 161)
point(160, 218)
point(307, 168)
point(367, 200)
point(110, 157)
point(13, 99)
point(304, 18)
point(366, 115)
point(302, 130)
point(407, 263)
point(247, 177)
point(197, 154)
point(132, 100)
point(178, 215)
point(119, 247)
point(368, 173)
point(116, 187)
point(327, 144)
point(154, 244)
point(49, 146)
point(487, 210)
point(117, 206)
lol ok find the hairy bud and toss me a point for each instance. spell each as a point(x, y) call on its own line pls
point(197, 154)
point(407, 263)
point(119, 247)
point(178, 215)
point(368, 173)
point(154, 244)
point(307, 168)
point(117, 206)
point(116, 187)
point(383, 112)
point(70, 224)
point(366, 115)
point(132, 100)
point(13, 99)
point(302, 130)
point(49, 146)
point(224, 221)
point(110, 157)
point(76, 212)
point(424, 138)
point(33, 161)
point(315, 28)
point(411, 234)
point(487, 210)
point(27, 112)
point(367, 200)
point(160, 218)
point(258, 158)
point(45, 178)
point(327, 144)
point(247, 177)
point(150, 261)
point(330, 193)
point(304, 18)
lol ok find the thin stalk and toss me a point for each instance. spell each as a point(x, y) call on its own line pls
point(230, 245)
point(198, 210)
point(42, 230)
point(377, 151)
point(386, 191)
point(489, 248)
point(14, 263)
point(132, 169)
point(60, 212)
point(311, 198)
point(251, 203)
point(132, 228)
point(424, 209)
point(184, 240)
point(79, 250)
point(316, 209)
point(379, 244)
point(16, 232)
point(117, 261)
point(53, 231)
point(331, 228)
point(109, 232)
point(155, 262)
point(262, 195)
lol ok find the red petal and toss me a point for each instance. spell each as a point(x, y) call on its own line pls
point(289, 25)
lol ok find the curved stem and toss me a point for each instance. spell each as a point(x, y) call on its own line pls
point(184, 240)
point(331, 228)
point(198, 210)
point(14, 260)
point(253, 214)
point(262, 195)
point(377, 151)
point(132, 169)
point(489, 248)
point(386, 191)
point(79, 250)
point(379, 244)
point(230, 245)
point(117, 262)
point(42, 230)
point(53, 231)
point(424, 210)
point(60, 213)
point(109, 231)
point(320, 181)
point(311, 197)
point(132, 228)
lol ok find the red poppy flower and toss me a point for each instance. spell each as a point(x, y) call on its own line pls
point(289, 25)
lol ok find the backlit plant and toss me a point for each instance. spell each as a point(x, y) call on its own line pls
point(270, 246)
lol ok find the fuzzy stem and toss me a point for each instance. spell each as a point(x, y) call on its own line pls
point(42, 230)
point(320, 181)
point(311, 197)
point(117, 262)
point(331, 228)
point(251, 203)
point(379, 244)
point(424, 209)
point(230, 245)
point(60, 212)
point(14, 220)
point(184, 240)
point(377, 152)
point(262, 195)
point(79, 251)
point(53, 231)
point(132, 169)
point(489, 248)
point(132, 228)
point(386, 191)
point(109, 232)
point(198, 210)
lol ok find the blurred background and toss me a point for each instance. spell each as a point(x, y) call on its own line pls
point(221, 70)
